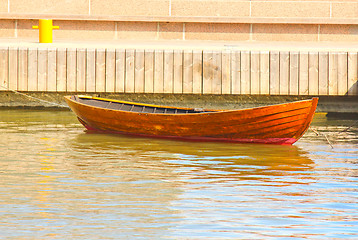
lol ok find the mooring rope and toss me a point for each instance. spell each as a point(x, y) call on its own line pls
point(324, 135)
point(35, 98)
point(334, 134)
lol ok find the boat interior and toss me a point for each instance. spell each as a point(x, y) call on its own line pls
point(134, 107)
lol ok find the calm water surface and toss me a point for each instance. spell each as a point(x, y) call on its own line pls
point(59, 182)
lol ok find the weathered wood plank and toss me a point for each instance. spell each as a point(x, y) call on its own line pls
point(42, 69)
point(13, 70)
point(264, 72)
point(303, 74)
point(313, 73)
point(71, 70)
point(188, 72)
point(178, 72)
point(197, 71)
point(149, 71)
point(51, 70)
point(22, 69)
point(81, 70)
point(32, 69)
point(129, 81)
point(139, 71)
point(4, 68)
point(110, 70)
point(158, 71)
point(255, 73)
point(226, 72)
point(208, 71)
point(284, 72)
point(236, 72)
point(333, 74)
point(274, 73)
point(91, 70)
point(61, 69)
point(342, 73)
point(168, 71)
point(217, 74)
point(245, 72)
point(323, 73)
point(100, 70)
point(352, 74)
point(294, 73)
point(120, 71)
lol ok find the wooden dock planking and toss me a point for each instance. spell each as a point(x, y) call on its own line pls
point(91, 70)
point(81, 70)
point(216, 84)
point(294, 73)
point(13, 68)
point(208, 71)
point(255, 73)
point(4, 68)
point(100, 70)
point(139, 72)
point(71, 70)
point(284, 73)
point(342, 73)
point(323, 74)
point(236, 72)
point(179, 71)
point(32, 70)
point(110, 70)
point(274, 73)
point(158, 71)
point(22, 69)
point(120, 70)
point(149, 71)
point(245, 72)
point(42, 69)
point(168, 72)
point(129, 76)
point(226, 72)
point(313, 73)
point(333, 74)
point(61, 70)
point(51, 69)
point(188, 71)
point(303, 74)
point(197, 72)
point(352, 74)
point(264, 72)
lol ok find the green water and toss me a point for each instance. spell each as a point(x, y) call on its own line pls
point(59, 182)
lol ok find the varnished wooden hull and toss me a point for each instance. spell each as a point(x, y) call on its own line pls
point(276, 124)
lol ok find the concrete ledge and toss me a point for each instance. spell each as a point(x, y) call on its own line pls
point(36, 100)
point(183, 19)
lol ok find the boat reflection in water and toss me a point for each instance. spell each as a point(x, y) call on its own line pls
point(226, 161)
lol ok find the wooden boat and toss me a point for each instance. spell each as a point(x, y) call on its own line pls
point(275, 124)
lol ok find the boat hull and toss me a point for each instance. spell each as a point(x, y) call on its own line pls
point(277, 124)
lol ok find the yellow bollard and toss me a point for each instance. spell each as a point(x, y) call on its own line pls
point(45, 30)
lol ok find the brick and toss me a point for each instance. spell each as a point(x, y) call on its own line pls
point(130, 7)
point(217, 31)
point(290, 9)
point(284, 32)
point(210, 8)
point(49, 6)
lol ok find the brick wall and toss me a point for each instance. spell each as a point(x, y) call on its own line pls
point(240, 20)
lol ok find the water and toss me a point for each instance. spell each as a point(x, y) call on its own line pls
point(59, 182)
